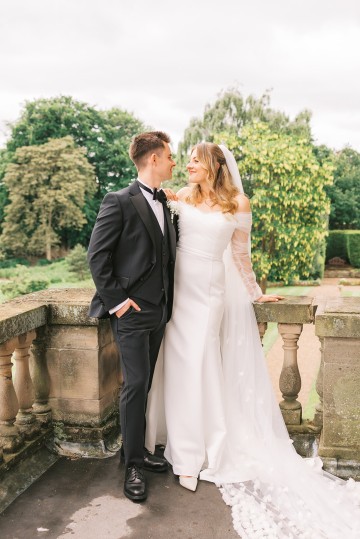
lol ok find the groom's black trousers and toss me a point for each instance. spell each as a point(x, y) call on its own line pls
point(138, 336)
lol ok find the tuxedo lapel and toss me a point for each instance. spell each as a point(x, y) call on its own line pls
point(143, 209)
point(171, 231)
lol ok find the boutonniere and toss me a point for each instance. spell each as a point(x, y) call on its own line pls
point(173, 206)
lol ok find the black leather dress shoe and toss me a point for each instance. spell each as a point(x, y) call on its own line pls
point(153, 463)
point(135, 484)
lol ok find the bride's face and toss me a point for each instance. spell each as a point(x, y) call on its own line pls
point(197, 173)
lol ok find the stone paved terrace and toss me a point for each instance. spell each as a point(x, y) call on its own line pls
point(83, 499)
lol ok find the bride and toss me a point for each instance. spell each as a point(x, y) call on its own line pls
point(223, 423)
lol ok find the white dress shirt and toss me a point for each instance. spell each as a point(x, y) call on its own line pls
point(158, 210)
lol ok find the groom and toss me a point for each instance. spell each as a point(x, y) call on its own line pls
point(131, 257)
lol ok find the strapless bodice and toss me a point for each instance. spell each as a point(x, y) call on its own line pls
point(205, 234)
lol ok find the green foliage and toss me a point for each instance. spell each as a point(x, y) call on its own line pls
point(228, 115)
point(23, 283)
point(105, 135)
point(345, 192)
point(337, 245)
point(318, 264)
point(289, 203)
point(13, 262)
point(43, 262)
point(354, 248)
point(54, 275)
point(345, 244)
point(4, 200)
point(77, 262)
point(47, 185)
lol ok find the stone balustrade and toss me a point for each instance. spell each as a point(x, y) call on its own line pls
point(64, 392)
point(17, 331)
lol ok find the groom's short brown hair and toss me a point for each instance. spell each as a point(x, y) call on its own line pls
point(143, 144)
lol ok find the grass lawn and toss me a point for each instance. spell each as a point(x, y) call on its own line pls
point(289, 290)
point(309, 408)
point(350, 293)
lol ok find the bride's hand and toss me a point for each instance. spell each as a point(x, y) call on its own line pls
point(170, 195)
point(267, 298)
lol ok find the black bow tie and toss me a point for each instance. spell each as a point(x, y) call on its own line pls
point(158, 194)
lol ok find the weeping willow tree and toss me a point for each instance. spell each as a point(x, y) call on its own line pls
point(228, 115)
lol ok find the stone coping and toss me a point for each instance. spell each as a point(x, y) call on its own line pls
point(69, 306)
point(18, 319)
point(66, 306)
point(339, 317)
point(290, 310)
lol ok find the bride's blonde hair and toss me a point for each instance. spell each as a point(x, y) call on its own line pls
point(222, 189)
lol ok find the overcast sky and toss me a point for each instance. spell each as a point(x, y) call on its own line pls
point(164, 60)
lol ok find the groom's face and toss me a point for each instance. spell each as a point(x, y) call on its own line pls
point(165, 163)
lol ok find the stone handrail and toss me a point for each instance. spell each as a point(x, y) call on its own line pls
point(67, 374)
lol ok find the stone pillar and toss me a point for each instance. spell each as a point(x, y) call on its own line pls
point(290, 380)
point(40, 376)
point(318, 417)
point(25, 419)
point(262, 329)
point(338, 325)
point(10, 437)
point(83, 367)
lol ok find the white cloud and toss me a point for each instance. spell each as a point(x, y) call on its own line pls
point(165, 59)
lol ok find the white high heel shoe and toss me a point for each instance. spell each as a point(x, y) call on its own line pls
point(188, 482)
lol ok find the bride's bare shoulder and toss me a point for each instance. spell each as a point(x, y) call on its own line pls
point(183, 193)
point(243, 203)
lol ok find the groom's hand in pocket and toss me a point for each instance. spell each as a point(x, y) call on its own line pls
point(126, 307)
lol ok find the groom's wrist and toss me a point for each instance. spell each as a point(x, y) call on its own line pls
point(118, 307)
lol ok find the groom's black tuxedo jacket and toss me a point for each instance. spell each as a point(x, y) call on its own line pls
point(122, 249)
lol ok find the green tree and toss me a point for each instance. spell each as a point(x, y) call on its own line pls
point(77, 262)
point(105, 134)
point(289, 202)
point(345, 192)
point(228, 115)
point(4, 200)
point(47, 185)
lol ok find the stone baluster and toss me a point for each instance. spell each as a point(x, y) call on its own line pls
point(318, 417)
point(290, 380)
point(262, 329)
point(25, 419)
point(10, 437)
point(40, 376)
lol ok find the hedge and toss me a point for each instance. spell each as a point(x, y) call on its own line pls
point(318, 265)
point(354, 247)
point(345, 244)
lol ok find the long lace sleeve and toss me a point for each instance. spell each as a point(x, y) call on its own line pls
point(241, 254)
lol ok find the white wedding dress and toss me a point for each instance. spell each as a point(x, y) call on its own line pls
point(222, 420)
